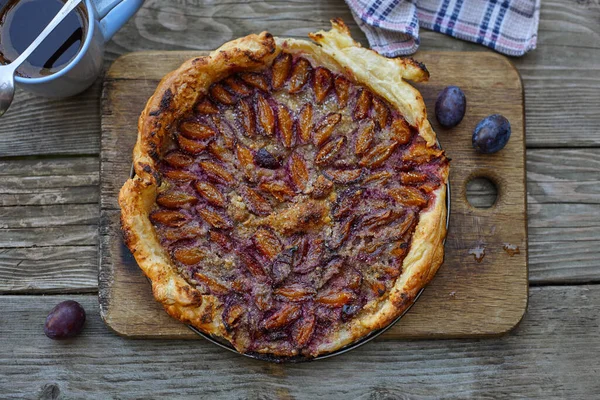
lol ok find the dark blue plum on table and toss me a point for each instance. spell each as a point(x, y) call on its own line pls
point(491, 134)
point(450, 106)
point(65, 320)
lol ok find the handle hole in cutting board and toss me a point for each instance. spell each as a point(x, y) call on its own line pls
point(481, 192)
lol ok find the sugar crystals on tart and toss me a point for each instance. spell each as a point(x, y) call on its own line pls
point(286, 200)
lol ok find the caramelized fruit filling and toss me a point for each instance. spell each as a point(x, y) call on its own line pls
point(292, 194)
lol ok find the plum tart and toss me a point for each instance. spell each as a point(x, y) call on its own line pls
point(289, 195)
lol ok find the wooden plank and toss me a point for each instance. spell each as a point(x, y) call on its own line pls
point(560, 262)
point(565, 222)
point(35, 125)
point(48, 269)
point(564, 242)
point(162, 26)
point(554, 353)
point(48, 219)
point(48, 248)
point(75, 235)
point(51, 195)
point(50, 215)
point(564, 202)
point(49, 181)
point(46, 193)
point(48, 166)
point(563, 176)
point(480, 304)
point(49, 259)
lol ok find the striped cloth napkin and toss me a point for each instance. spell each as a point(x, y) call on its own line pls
point(392, 26)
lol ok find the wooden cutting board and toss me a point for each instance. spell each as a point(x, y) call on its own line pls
point(467, 298)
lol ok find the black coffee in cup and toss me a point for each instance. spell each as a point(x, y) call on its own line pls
point(21, 21)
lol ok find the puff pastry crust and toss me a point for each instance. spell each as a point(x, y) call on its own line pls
point(289, 327)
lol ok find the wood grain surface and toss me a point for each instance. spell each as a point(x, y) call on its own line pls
point(553, 353)
point(467, 298)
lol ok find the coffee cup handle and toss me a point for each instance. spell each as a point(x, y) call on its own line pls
point(113, 14)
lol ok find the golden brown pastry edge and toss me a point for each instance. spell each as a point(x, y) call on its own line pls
point(179, 90)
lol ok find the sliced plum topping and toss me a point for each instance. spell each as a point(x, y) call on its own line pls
point(291, 194)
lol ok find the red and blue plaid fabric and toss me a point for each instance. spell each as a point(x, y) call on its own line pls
point(392, 26)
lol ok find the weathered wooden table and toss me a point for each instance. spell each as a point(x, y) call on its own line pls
point(49, 218)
